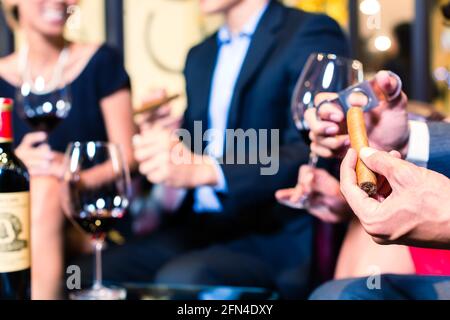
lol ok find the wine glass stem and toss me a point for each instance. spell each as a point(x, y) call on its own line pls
point(98, 246)
point(313, 160)
point(312, 163)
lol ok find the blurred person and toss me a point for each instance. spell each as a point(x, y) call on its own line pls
point(229, 230)
point(101, 110)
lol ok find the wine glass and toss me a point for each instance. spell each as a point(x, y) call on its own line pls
point(95, 196)
point(322, 73)
point(43, 104)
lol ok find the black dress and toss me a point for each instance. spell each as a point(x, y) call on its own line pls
point(104, 75)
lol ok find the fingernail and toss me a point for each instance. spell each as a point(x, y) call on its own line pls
point(336, 117)
point(331, 130)
point(367, 152)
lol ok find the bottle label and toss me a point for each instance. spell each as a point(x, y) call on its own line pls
point(14, 232)
point(6, 133)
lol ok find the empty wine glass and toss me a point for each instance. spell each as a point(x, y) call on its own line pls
point(322, 73)
point(95, 196)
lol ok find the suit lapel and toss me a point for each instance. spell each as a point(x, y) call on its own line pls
point(205, 76)
point(263, 42)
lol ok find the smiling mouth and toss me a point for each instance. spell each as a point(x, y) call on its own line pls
point(54, 15)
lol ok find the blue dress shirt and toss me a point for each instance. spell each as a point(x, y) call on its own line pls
point(232, 52)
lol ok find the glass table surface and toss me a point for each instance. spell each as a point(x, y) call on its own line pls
point(136, 291)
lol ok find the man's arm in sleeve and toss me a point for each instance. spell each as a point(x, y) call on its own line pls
point(439, 159)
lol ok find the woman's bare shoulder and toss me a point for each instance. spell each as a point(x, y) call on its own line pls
point(8, 60)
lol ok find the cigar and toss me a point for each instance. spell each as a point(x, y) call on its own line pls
point(367, 179)
point(154, 105)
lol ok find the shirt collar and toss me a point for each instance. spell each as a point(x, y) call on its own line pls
point(224, 35)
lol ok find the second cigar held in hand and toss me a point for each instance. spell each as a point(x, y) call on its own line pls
point(367, 180)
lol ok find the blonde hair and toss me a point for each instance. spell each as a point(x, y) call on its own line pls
point(11, 13)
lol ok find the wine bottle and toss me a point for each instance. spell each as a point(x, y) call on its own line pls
point(15, 255)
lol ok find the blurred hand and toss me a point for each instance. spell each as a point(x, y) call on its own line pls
point(161, 117)
point(416, 211)
point(163, 159)
point(387, 125)
point(324, 199)
point(38, 157)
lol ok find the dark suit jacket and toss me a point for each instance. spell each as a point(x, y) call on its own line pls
point(439, 147)
point(282, 42)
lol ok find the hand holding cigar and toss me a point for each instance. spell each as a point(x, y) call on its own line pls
point(367, 179)
point(156, 111)
point(155, 105)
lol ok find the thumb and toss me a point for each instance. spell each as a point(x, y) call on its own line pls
point(389, 85)
point(382, 163)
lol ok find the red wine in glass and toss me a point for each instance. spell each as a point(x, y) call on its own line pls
point(45, 122)
point(95, 196)
point(97, 211)
point(43, 111)
point(98, 227)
